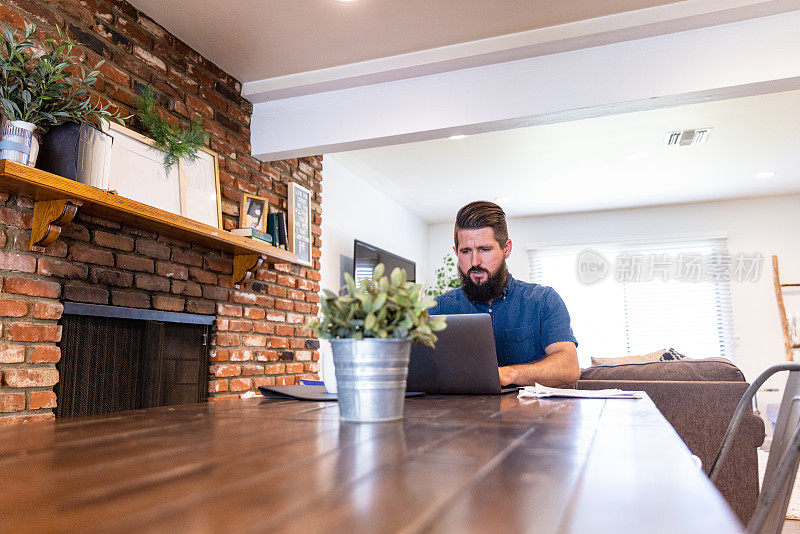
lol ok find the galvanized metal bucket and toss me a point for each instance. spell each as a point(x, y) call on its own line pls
point(371, 378)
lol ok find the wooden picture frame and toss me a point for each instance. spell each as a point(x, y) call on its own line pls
point(253, 212)
point(299, 223)
point(190, 189)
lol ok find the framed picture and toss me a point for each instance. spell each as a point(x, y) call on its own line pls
point(190, 189)
point(253, 212)
point(137, 171)
point(300, 222)
point(199, 185)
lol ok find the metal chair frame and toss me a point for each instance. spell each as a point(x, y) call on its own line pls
point(784, 454)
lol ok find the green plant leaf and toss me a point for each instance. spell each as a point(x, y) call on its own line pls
point(378, 309)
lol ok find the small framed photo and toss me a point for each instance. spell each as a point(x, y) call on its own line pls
point(253, 212)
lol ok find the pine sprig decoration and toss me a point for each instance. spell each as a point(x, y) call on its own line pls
point(176, 143)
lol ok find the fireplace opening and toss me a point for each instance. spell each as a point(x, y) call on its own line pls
point(115, 359)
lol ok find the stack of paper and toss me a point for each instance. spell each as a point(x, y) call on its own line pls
point(539, 391)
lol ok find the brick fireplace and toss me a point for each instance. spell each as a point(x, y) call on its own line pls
point(258, 336)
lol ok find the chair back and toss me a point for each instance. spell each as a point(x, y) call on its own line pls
point(784, 453)
point(785, 427)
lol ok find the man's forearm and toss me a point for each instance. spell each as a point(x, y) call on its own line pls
point(557, 369)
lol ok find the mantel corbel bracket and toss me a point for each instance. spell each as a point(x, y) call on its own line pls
point(244, 265)
point(49, 216)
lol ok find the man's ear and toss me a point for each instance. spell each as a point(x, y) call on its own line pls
point(455, 250)
point(507, 249)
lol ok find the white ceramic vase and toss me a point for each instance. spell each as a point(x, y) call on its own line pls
point(17, 146)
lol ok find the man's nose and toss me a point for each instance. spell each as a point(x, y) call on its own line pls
point(475, 259)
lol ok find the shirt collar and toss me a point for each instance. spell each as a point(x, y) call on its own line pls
point(507, 288)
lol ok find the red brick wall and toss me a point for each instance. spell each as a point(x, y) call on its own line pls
point(259, 337)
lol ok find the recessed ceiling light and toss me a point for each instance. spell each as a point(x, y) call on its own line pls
point(638, 155)
point(456, 137)
point(502, 200)
point(764, 174)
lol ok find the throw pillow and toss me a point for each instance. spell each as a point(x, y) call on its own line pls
point(663, 355)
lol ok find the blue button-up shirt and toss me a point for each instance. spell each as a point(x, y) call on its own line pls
point(526, 318)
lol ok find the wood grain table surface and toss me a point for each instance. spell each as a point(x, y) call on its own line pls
point(454, 464)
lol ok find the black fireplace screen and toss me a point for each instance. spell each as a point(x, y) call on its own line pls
point(111, 364)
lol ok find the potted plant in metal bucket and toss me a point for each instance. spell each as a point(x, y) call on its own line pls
point(371, 329)
point(41, 85)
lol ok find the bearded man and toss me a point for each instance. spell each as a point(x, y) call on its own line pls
point(532, 333)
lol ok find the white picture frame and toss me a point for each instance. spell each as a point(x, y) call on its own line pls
point(190, 189)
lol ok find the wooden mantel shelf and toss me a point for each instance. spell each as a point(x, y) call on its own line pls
point(57, 200)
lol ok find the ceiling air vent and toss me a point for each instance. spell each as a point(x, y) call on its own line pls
point(687, 137)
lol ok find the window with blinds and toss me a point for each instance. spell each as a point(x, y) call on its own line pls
point(638, 296)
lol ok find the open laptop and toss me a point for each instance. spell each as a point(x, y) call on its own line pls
point(464, 361)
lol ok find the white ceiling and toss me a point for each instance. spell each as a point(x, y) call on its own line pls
point(582, 165)
point(261, 39)
point(565, 167)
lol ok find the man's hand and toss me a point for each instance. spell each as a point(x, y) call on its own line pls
point(505, 375)
point(560, 367)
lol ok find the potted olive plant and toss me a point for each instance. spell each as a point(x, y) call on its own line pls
point(42, 85)
point(371, 329)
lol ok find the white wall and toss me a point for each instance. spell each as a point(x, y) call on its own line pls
point(353, 209)
point(769, 226)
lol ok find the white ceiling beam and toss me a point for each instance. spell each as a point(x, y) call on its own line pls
point(660, 20)
point(754, 56)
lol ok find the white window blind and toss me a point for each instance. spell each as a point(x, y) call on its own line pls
point(671, 296)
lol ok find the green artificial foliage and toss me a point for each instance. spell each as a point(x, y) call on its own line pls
point(40, 84)
point(176, 143)
point(446, 278)
point(383, 307)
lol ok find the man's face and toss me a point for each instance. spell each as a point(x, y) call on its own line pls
point(481, 259)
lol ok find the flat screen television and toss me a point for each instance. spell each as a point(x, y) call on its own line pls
point(366, 257)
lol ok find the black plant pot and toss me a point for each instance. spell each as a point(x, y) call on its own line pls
point(78, 151)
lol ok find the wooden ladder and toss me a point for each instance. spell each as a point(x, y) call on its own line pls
point(787, 341)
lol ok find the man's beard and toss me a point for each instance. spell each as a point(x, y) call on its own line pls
point(489, 290)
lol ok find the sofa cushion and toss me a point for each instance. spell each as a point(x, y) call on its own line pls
point(714, 369)
point(663, 355)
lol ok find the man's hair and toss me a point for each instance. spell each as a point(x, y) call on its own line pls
point(482, 214)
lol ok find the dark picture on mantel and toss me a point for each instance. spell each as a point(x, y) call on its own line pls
point(253, 212)
point(300, 222)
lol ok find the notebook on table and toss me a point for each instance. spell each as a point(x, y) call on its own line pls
point(312, 392)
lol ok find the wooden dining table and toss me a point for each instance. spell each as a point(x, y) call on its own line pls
point(453, 464)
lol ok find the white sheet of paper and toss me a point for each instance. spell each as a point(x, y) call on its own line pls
point(539, 391)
